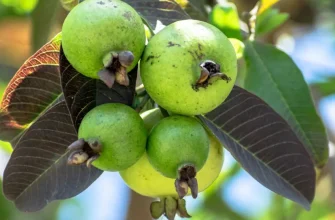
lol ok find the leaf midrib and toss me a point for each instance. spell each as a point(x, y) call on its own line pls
point(284, 101)
point(55, 162)
point(261, 161)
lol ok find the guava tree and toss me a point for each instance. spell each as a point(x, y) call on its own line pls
point(266, 119)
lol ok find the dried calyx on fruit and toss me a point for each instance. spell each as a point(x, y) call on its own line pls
point(112, 137)
point(103, 39)
point(178, 148)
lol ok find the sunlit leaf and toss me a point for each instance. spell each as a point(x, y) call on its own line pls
point(274, 77)
point(265, 4)
point(20, 6)
point(34, 88)
point(165, 11)
point(37, 172)
point(270, 20)
point(5, 146)
point(265, 145)
point(195, 8)
point(225, 17)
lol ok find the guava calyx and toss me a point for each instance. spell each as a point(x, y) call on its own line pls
point(186, 179)
point(116, 68)
point(84, 152)
point(169, 206)
point(209, 69)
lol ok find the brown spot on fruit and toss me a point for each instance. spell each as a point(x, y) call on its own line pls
point(171, 44)
point(151, 57)
point(127, 15)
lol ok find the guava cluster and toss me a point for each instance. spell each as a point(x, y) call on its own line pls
point(188, 69)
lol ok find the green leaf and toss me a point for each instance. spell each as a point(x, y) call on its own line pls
point(274, 77)
point(270, 20)
point(225, 17)
point(43, 17)
point(6, 147)
point(326, 88)
point(266, 4)
point(195, 8)
point(20, 7)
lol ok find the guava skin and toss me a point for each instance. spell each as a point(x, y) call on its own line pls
point(170, 67)
point(145, 180)
point(177, 141)
point(121, 132)
point(95, 28)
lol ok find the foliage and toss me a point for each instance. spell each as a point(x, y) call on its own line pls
point(270, 125)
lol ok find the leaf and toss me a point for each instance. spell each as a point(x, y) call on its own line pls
point(195, 8)
point(327, 87)
point(34, 87)
point(264, 144)
point(270, 20)
point(273, 76)
point(42, 19)
point(83, 93)
point(225, 17)
point(69, 4)
point(266, 4)
point(37, 172)
point(166, 11)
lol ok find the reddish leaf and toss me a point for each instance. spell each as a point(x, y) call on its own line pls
point(34, 87)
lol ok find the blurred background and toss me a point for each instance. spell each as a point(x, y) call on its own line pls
point(308, 37)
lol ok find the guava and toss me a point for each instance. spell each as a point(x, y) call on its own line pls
point(103, 39)
point(113, 135)
point(147, 181)
point(189, 67)
point(144, 179)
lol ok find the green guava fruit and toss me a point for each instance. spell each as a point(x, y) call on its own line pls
point(95, 32)
point(189, 67)
point(144, 179)
point(117, 134)
point(178, 148)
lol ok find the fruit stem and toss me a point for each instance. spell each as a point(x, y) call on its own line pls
point(144, 101)
point(164, 111)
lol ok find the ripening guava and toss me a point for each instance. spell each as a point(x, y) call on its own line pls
point(189, 67)
point(120, 132)
point(96, 31)
point(146, 180)
point(177, 141)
